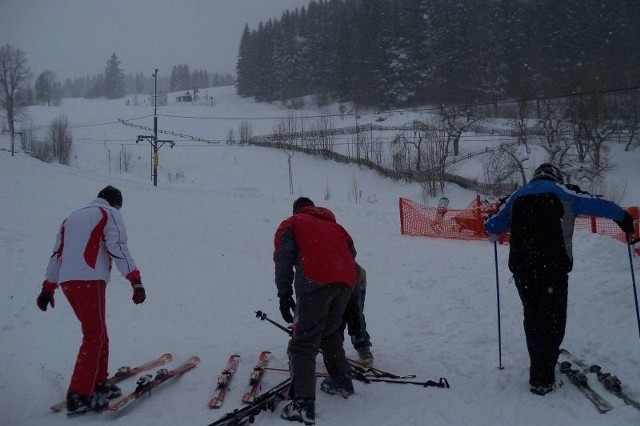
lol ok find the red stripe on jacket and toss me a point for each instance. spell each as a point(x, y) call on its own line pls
point(93, 245)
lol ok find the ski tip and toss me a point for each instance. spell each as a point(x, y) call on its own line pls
point(166, 357)
point(215, 403)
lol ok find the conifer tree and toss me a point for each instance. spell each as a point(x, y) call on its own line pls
point(114, 86)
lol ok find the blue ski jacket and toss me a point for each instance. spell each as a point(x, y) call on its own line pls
point(541, 216)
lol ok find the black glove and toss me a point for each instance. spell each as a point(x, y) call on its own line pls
point(139, 295)
point(45, 298)
point(287, 308)
point(626, 224)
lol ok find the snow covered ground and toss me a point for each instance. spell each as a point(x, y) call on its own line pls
point(204, 245)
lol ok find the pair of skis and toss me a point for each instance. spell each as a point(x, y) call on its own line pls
point(270, 398)
point(145, 383)
point(578, 377)
point(227, 373)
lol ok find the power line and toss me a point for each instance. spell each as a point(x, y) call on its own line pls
point(359, 114)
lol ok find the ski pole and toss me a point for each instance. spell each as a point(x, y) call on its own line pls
point(495, 253)
point(442, 383)
point(633, 280)
point(359, 372)
point(263, 316)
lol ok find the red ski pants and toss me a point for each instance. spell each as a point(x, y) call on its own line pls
point(87, 299)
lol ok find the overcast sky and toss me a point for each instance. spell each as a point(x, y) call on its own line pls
point(75, 38)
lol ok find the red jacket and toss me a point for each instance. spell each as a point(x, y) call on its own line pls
point(321, 251)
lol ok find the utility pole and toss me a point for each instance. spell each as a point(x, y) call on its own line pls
point(153, 139)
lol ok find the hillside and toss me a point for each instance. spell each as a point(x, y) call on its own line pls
point(204, 245)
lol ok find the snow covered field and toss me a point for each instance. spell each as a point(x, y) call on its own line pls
point(203, 242)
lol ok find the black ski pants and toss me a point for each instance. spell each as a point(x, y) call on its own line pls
point(354, 319)
point(544, 302)
point(317, 327)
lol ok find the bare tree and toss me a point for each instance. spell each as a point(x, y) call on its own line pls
point(325, 123)
point(456, 122)
point(400, 154)
point(286, 131)
point(437, 153)
point(597, 120)
point(554, 132)
point(280, 133)
point(230, 136)
point(600, 126)
point(245, 131)
point(355, 193)
point(327, 190)
point(27, 137)
point(292, 128)
point(290, 154)
point(61, 139)
point(521, 124)
point(319, 135)
point(14, 76)
point(502, 166)
point(125, 158)
point(630, 125)
point(31, 145)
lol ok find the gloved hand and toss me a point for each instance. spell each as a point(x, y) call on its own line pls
point(287, 308)
point(45, 297)
point(626, 224)
point(139, 295)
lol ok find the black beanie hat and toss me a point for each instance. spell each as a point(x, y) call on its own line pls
point(112, 195)
point(301, 202)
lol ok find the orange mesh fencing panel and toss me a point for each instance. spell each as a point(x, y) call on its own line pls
point(468, 223)
point(420, 220)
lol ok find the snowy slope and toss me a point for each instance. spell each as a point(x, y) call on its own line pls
point(204, 246)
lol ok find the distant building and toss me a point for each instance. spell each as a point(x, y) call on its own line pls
point(185, 98)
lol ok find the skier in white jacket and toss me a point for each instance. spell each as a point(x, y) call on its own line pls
point(88, 241)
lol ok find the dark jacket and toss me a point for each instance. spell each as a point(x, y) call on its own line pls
point(541, 216)
point(321, 251)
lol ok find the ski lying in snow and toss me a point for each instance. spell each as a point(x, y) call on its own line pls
point(268, 400)
point(124, 373)
point(223, 381)
point(609, 381)
point(255, 378)
point(579, 379)
point(147, 382)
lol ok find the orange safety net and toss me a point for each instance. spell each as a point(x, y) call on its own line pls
point(467, 224)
